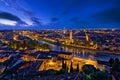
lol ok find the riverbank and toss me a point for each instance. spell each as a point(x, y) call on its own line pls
point(82, 48)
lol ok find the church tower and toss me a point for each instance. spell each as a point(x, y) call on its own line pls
point(64, 31)
point(86, 35)
point(71, 36)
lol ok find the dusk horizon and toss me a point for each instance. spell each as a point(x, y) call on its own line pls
point(59, 39)
point(57, 14)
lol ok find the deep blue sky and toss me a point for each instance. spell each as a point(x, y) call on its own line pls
point(57, 14)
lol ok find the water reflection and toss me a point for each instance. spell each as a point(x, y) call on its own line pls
point(88, 54)
point(83, 53)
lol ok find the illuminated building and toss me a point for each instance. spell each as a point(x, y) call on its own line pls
point(2, 69)
point(65, 56)
point(57, 64)
point(28, 58)
point(15, 37)
point(64, 31)
point(86, 35)
point(3, 59)
point(71, 36)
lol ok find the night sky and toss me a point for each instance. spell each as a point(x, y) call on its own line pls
point(57, 14)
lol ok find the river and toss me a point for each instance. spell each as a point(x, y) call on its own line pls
point(83, 53)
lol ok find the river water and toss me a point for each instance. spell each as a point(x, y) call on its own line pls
point(83, 53)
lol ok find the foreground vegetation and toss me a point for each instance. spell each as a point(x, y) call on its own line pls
point(26, 44)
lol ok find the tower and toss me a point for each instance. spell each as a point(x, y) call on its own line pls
point(86, 35)
point(15, 37)
point(71, 36)
point(64, 31)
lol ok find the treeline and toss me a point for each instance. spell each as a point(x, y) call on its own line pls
point(115, 67)
point(65, 68)
point(26, 44)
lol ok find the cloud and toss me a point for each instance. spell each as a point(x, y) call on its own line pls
point(54, 19)
point(77, 3)
point(8, 22)
point(28, 17)
point(9, 16)
point(36, 21)
point(75, 19)
point(66, 12)
point(10, 19)
point(108, 16)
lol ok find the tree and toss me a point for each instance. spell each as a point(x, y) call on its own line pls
point(116, 60)
point(63, 65)
point(116, 65)
point(64, 68)
point(111, 61)
point(71, 68)
point(77, 69)
point(99, 75)
point(88, 69)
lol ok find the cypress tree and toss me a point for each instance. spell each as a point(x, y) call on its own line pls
point(71, 68)
point(111, 61)
point(77, 69)
point(63, 65)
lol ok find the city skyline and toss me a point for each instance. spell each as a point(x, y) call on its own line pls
point(60, 54)
point(59, 39)
point(57, 14)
